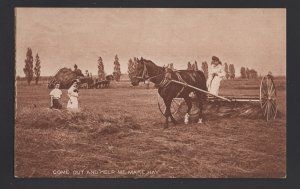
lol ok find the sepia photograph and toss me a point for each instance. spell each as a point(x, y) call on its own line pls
point(150, 93)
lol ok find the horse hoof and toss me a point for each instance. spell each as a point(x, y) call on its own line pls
point(200, 121)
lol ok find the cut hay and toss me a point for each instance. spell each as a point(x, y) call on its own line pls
point(217, 110)
point(83, 121)
point(241, 109)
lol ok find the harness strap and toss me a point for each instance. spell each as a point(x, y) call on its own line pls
point(181, 80)
point(164, 83)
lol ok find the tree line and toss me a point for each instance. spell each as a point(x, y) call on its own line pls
point(117, 69)
point(31, 71)
point(35, 71)
point(229, 70)
point(247, 73)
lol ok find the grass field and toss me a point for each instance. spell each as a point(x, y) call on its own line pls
point(119, 133)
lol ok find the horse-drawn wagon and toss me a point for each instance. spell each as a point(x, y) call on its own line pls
point(100, 84)
point(267, 98)
point(175, 87)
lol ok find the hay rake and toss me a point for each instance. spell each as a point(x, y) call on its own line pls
point(267, 98)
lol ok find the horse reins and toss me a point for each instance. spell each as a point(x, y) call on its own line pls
point(164, 82)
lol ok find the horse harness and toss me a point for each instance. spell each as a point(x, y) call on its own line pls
point(165, 81)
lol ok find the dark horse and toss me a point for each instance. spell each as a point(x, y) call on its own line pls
point(104, 83)
point(168, 90)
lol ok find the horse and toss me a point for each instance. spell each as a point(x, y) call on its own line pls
point(86, 82)
point(104, 83)
point(162, 78)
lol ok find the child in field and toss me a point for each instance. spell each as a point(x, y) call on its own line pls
point(55, 96)
point(215, 76)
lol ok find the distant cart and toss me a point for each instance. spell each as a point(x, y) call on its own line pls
point(267, 98)
point(100, 84)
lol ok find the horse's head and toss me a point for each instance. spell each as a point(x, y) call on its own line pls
point(141, 72)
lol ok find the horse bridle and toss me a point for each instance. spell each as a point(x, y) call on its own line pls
point(144, 76)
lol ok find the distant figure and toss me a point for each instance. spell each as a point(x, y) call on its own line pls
point(73, 96)
point(55, 95)
point(215, 75)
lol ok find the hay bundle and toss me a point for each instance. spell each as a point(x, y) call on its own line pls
point(65, 76)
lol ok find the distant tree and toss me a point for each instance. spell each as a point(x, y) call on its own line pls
point(101, 73)
point(131, 68)
point(28, 70)
point(37, 68)
point(205, 68)
point(226, 70)
point(193, 67)
point(247, 73)
point(189, 66)
point(75, 67)
point(243, 73)
point(171, 66)
point(117, 69)
point(253, 74)
point(231, 71)
point(196, 66)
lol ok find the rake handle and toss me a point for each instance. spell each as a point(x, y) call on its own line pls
point(201, 90)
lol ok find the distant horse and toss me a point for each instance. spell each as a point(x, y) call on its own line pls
point(86, 82)
point(168, 90)
point(104, 83)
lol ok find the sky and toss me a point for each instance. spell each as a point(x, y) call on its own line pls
point(62, 37)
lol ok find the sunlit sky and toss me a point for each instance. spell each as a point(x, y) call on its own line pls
point(255, 38)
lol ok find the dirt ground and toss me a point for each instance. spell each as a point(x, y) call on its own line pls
point(119, 133)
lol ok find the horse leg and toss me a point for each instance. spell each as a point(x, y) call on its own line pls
point(171, 116)
point(189, 105)
point(200, 104)
point(168, 111)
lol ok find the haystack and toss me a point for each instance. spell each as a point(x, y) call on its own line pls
point(65, 76)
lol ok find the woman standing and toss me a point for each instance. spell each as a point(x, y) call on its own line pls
point(55, 96)
point(73, 96)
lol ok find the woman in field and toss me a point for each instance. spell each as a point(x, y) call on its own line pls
point(55, 95)
point(73, 96)
point(215, 75)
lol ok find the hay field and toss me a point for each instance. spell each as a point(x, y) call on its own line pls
point(119, 133)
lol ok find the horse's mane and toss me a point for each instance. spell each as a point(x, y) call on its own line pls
point(150, 62)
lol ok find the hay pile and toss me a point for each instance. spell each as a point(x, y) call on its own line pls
point(84, 121)
point(65, 76)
